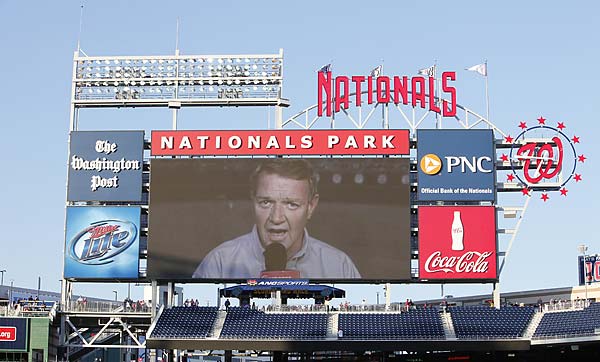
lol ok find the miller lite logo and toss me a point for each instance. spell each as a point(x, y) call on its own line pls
point(100, 242)
point(457, 242)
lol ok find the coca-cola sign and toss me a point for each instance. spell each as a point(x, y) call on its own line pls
point(457, 242)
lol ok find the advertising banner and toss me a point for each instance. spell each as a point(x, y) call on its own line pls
point(247, 218)
point(590, 271)
point(281, 142)
point(278, 282)
point(13, 334)
point(456, 165)
point(102, 242)
point(457, 242)
point(106, 166)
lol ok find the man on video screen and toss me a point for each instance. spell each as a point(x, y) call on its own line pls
point(284, 196)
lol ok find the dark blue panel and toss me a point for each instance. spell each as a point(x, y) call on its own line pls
point(13, 328)
point(456, 165)
point(106, 166)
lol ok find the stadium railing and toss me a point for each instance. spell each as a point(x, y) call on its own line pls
point(29, 308)
point(394, 308)
point(93, 306)
point(562, 305)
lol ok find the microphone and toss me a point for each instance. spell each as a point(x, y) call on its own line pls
point(275, 262)
point(275, 257)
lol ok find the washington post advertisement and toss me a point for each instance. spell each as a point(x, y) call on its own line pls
point(309, 218)
point(102, 242)
point(456, 165)
point(106, 166)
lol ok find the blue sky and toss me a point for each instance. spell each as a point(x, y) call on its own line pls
point(541, 61)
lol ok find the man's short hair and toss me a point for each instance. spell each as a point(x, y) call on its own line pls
point(293, 168)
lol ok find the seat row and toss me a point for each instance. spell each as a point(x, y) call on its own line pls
point(570, 323)
point(468, 323)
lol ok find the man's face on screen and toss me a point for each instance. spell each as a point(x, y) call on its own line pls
point(282, 207)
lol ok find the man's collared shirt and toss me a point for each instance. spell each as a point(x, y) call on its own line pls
point(243, 258)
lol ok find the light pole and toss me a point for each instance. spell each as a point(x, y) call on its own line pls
point(2, 271)
point(116, 294)
point(377, 298)
point(583, 250)
point(10, 292)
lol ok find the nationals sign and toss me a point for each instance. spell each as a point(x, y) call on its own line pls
point(281, 142)
point(457, 242)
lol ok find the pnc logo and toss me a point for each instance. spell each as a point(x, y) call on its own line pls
point(431, 164)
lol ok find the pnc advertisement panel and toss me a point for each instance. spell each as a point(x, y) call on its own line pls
point(456, 165)
point(457, 242)
point(105, 166)
point(13, 334)
point(590, 271)
point(247, 218)
point(102, 242)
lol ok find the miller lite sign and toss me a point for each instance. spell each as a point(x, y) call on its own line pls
point(457, 242)
point(102, 242)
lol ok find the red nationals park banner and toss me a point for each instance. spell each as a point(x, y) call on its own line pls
point(457, 242)
point(280, 142)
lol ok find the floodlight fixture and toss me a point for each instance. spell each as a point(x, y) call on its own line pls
point(151, 81)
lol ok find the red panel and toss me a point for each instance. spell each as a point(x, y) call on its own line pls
point(280, 142)
point(8, 334)
point(457, 242)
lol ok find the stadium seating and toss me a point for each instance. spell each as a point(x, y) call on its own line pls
point(185, 322)
point(469, 323)
point(414, 324)
point(243, 323)
point(476, 322)
point(569, 323)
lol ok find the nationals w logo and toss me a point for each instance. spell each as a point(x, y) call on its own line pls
point(542, 158)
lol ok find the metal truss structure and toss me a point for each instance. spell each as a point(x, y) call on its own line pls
point(174, 82)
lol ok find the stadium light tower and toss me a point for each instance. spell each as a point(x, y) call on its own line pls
point(583, 250)
point(177, 81)
point(2, 271)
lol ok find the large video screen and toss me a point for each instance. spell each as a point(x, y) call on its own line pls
point(324, 219)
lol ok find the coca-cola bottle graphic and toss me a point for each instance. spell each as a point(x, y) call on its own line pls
point(457, 232)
